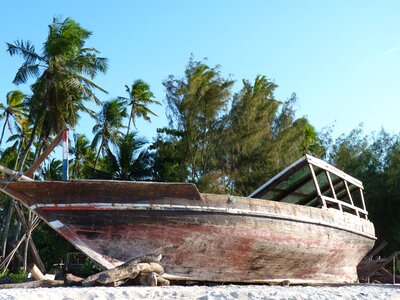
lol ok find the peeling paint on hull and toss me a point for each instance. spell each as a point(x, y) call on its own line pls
point(203, 237)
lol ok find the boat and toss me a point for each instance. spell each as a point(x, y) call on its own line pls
point(306, 225)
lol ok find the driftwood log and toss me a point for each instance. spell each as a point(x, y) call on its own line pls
point(144, 270)
point(36, 273)
point(71, 280)
point(148, 266)
point(151, 279)
point(33, 284)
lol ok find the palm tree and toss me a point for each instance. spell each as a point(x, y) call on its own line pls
point(20, 138)
point(108, 124)
point(83, 155)
point(130, 162)
point(15, 108)
point(140, 97)
point(53, 170)
point(64, 72)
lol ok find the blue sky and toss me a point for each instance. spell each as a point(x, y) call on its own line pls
point(341, 58)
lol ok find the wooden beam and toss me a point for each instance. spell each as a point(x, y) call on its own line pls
point(36, 273)
point(284, 193)
point(26, 228)
point(324, 165)
point(345, 204)
point(278, 178)
point(331, 184)
point(26, 201)
point(349, 195)
point(46, 153)
point(314, 202)
point(14, 173)
point(376, 250)
point(369, 267)
point(363, 201)
point(129, 269)
point(33, 284)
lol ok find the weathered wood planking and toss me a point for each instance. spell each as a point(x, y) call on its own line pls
point(202, 237)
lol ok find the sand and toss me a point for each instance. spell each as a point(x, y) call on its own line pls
point(207, 292)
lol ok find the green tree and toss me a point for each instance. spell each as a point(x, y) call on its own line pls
point(131, 161)
point(375, 160)
point(84, 157)
point(170, 161)
point(52, 247)
point(248, 129)
point(233, 150)
point(15, 108)
point(20, 139)
point(109, 122)
point(140, 97)
point(64, 72)
point(195, 103)
point(261, 137)
point(53, 169)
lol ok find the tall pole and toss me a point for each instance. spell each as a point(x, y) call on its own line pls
point(394, 270)
point(65, 155)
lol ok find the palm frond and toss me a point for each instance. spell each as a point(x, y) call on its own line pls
point(24, 49)
point(112, 161)
point(26, 71)
point(90, 83)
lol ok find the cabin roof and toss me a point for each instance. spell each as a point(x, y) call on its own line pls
point(311, 181)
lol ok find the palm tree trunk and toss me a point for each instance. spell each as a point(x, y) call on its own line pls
point(28, 146)
point(129, 122)
point(21, 142)
point(97, 157)
point(4, 127)
point(38, 149)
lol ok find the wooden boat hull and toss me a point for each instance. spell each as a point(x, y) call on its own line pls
point(202, 237)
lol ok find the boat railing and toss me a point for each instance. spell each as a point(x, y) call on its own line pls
point(340, 190)
point(344, 205)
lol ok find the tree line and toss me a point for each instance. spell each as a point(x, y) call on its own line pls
point(223, 141)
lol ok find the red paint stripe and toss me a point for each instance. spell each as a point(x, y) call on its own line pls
point(65, 135)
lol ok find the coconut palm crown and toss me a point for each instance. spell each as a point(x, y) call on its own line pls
point(15, 108)
point(140, 96)
point(63, 74)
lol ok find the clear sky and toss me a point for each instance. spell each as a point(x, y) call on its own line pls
point(342, 58)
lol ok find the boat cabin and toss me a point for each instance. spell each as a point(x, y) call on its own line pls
point(312, 182)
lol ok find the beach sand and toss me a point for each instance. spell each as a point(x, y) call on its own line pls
point(221, 292)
